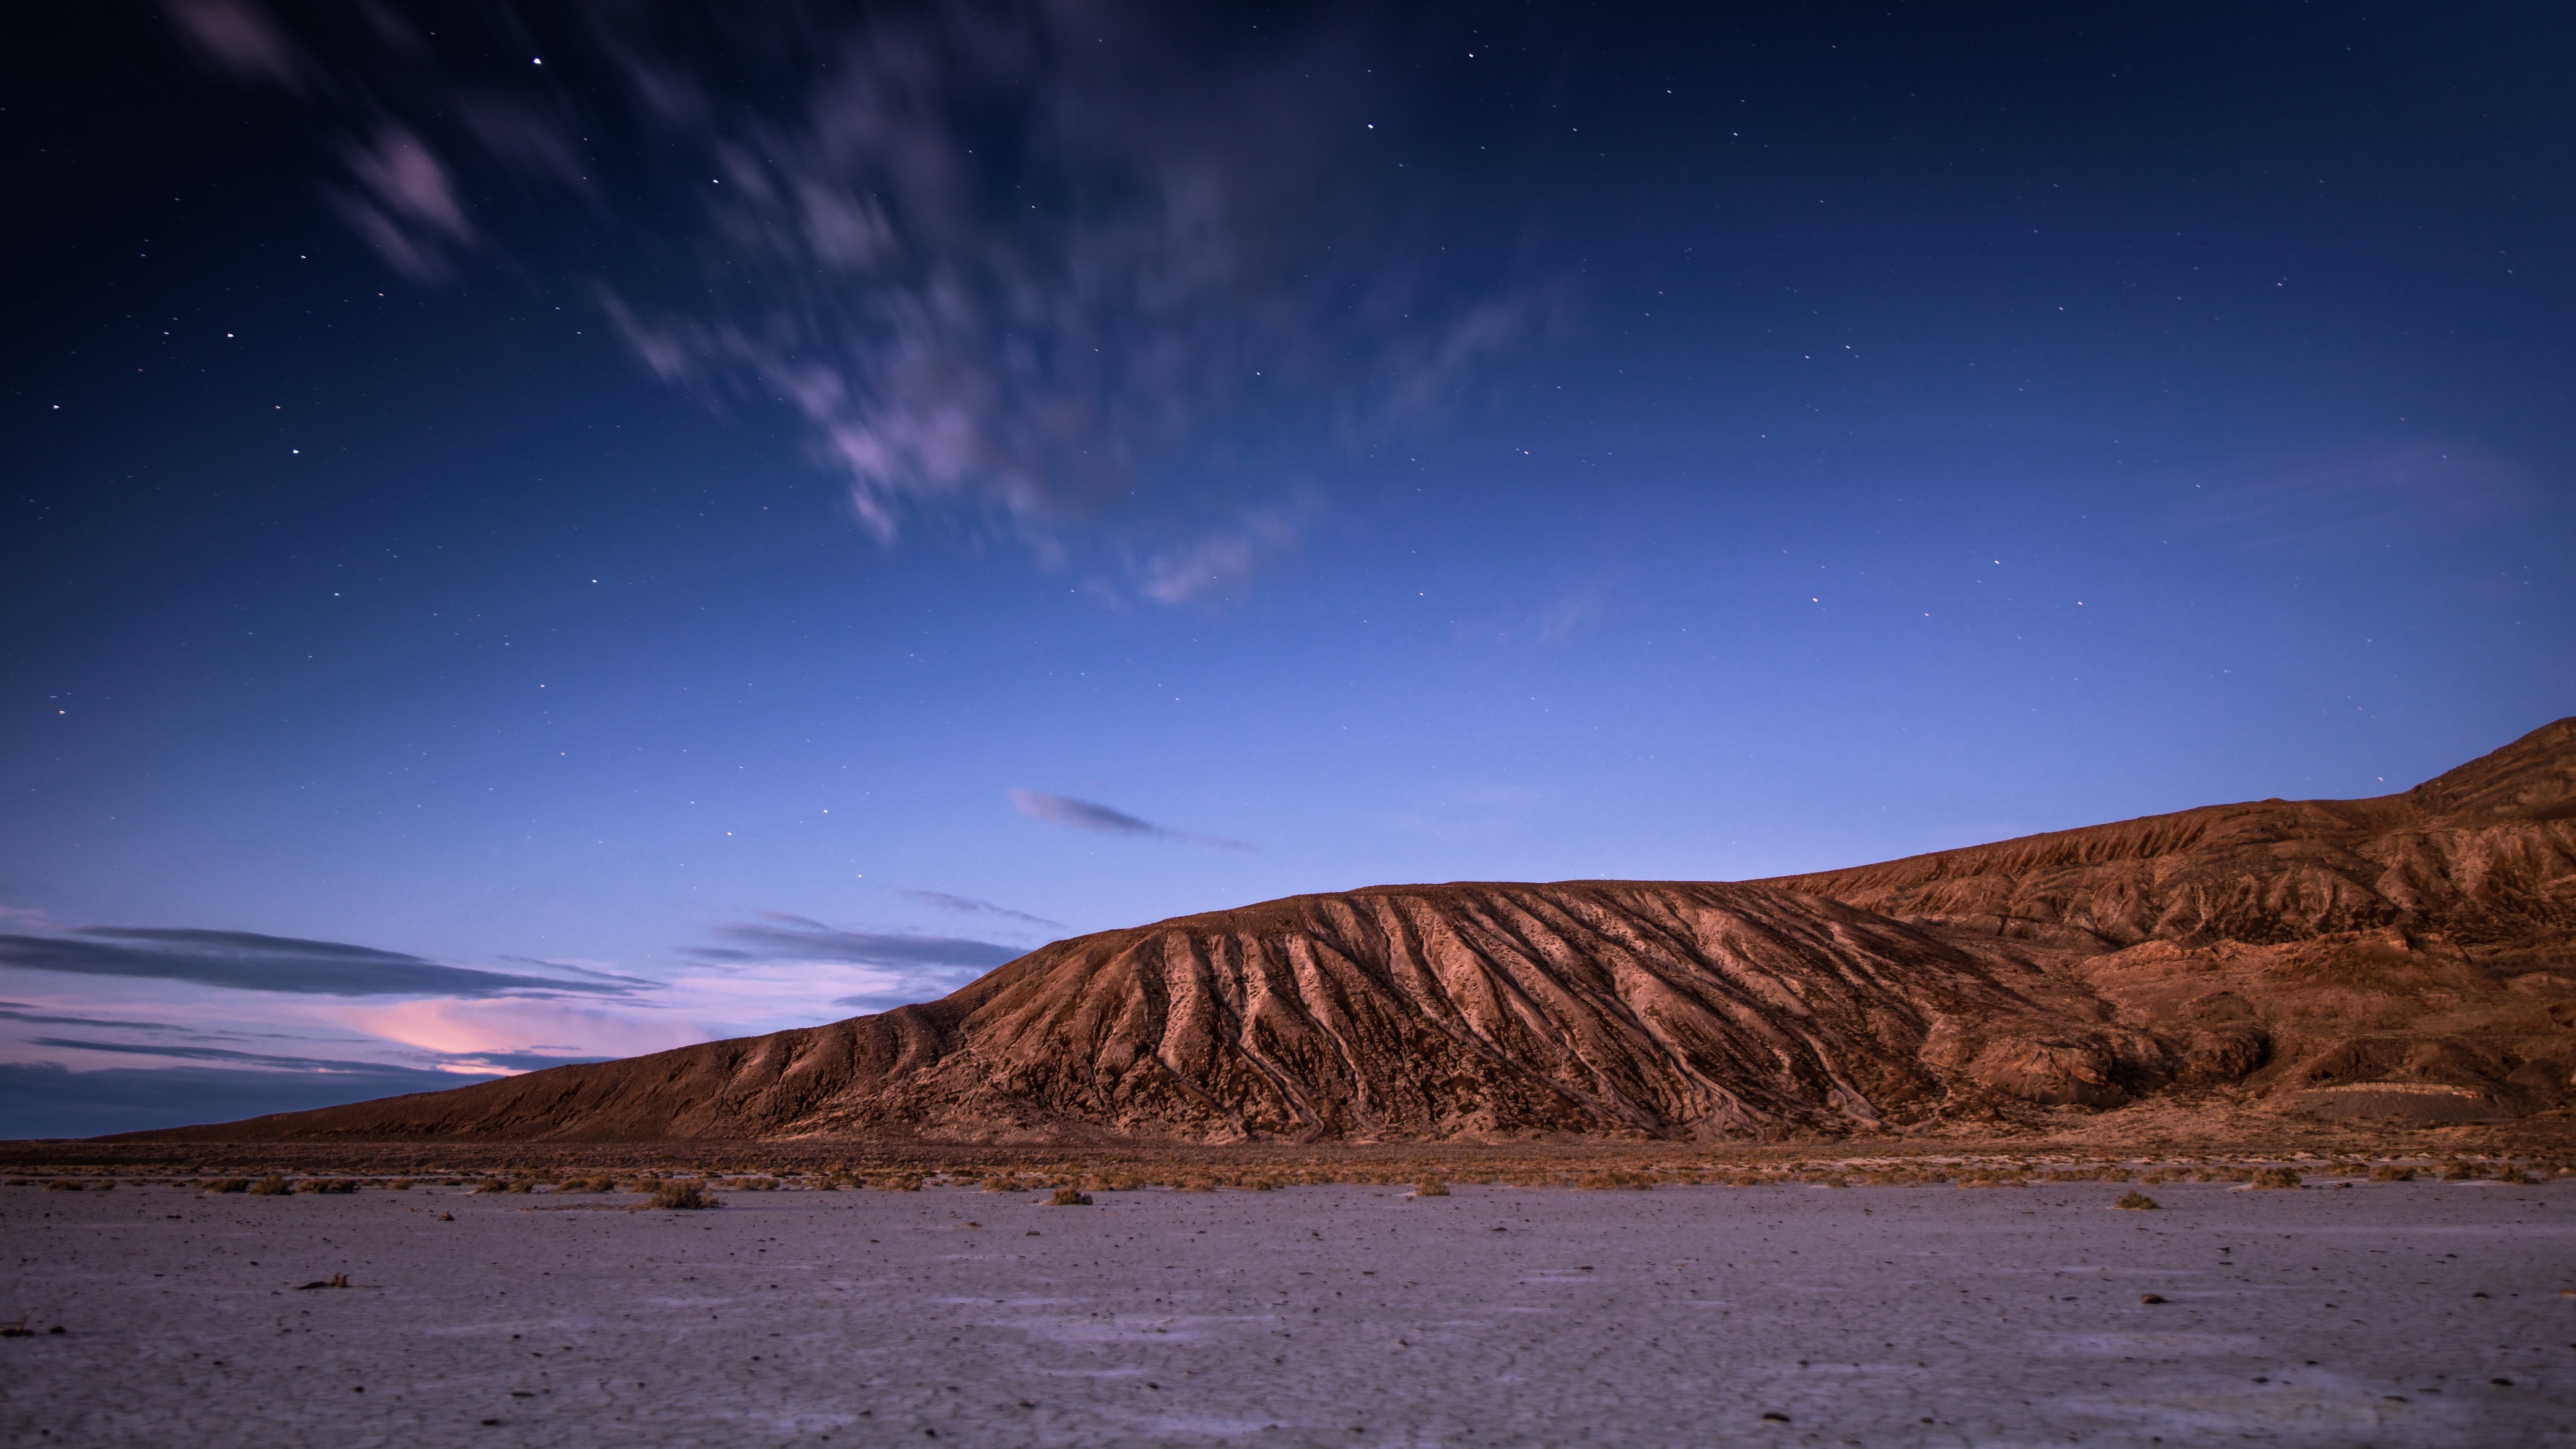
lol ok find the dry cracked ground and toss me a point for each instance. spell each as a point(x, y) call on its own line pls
point(2384, 1314)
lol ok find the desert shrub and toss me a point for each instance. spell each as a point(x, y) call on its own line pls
point(399, 1184)
point(1431, 1187)
point(64, 1184)
point(2276, 1179)
point(2137, 1202)
point(2514, 1174)
point(681, 1197)
point(1194, 1184)
point(2462, 1172)
point(2391, 1172)
point(1069, 1197)
point(1611, 1179)
point(327, 1184)
point(227, 1184)
point(900, 1182)
point(1000, 1182)
point(271, 1186)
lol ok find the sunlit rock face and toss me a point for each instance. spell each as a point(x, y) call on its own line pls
point(2406, 958)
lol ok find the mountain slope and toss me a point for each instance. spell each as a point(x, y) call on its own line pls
point(2411, 956)
point(1431, 1012)
point(2485, 853)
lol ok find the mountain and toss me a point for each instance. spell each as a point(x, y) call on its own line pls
point(2480, 855)
point(2411, 956)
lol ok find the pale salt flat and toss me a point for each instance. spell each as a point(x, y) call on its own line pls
point(1323, 1316)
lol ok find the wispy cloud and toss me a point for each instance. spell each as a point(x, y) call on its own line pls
point(206, 1054)
point(777, 937)
point(1072, 274)
point(1218, 564)
point(245, 961)
point(2331, 495)
point(968, 905)
point(1103, 819)
point(516, 1033)
point(1574, 613)
point(785, 964)
point(595, 970)
point(238, 39)
point(406, 203)
point(36, 1019)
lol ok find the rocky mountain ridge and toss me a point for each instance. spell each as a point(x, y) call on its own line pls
point(2409, 957)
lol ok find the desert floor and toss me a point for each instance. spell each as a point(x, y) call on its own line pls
point(2414, 1313)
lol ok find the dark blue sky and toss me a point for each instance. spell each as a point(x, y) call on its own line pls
point(557, 532)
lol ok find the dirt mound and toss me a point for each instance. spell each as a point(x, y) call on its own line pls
point(2404, 957)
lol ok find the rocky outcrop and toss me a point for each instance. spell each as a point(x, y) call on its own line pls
point(2411, 956)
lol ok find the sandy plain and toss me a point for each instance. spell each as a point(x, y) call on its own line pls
point(2382, 1314)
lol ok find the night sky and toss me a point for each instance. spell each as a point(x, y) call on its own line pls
point(542, 533)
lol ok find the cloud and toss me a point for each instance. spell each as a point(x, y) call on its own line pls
point(408, 208)
point(596, 970)
point(2331, 495)
point(1087, 815)
point(244, 961)
point(30, 1017)
point(239, 39)
point(1219, 564)
point(794, 938)
point(969, 905)
point(791, 967)
point(1574, 613)
point(206, 1054)
point(514, 1033)
point(1074, 275)
point(1081, 814)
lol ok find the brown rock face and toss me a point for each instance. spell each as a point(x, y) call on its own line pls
point(2485, 853)
point(2411, 956)
point(2406, 956)
point(1429, 1012)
